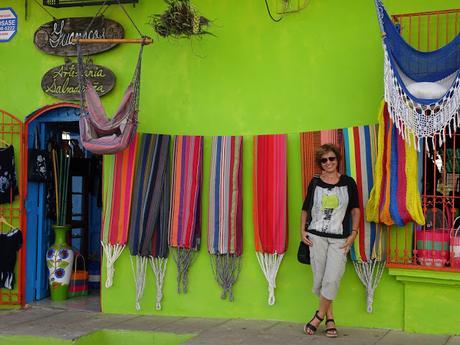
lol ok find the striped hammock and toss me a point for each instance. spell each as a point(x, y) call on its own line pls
point(117, 205)
point(148, 235)
point(225, 228)
point(367, 252)
point(309, 143)
point(270, 205)
point(395, 197)
point(185, 211)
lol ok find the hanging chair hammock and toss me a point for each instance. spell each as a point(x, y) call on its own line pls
point(422, 89)
point(367, 252)
point(148, 231)
point(270, 205)
point(185, 212)
point(98, 133)
point(225, 227)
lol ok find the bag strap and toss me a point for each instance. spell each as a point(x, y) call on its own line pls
point(313, 183)
point(456, 230)
point(75, 262)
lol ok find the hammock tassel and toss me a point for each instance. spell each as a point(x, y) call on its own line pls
point(183, 260)
point(370, 274)
point(226, 268)
point(112, 253)
point(270, 264)
point(139, 274)
point(159, 269)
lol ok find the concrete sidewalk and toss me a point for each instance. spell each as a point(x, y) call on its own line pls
point(46, 321)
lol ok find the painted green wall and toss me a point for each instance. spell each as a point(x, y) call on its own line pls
point(318, 69)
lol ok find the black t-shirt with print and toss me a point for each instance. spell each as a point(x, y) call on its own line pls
point(329, 206)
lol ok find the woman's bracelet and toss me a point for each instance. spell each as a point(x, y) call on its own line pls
point(355, 231)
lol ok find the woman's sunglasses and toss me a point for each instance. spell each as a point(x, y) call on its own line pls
point(325, 159)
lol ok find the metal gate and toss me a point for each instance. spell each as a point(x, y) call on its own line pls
point(11, 133)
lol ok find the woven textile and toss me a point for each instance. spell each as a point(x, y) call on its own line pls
point(117, 205)
point(270, 205)
point(395, 197)
point(185, 211)
point(148, 235)
point(418, 118)
point(225, 228)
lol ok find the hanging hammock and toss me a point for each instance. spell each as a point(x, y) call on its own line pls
point(148, 233)
point(395, 197)
point(185, 211)
point(270, 205)
point(98, 133)
point(225, 228)
point(367, 251)
point(422, 89)
point(117, 205)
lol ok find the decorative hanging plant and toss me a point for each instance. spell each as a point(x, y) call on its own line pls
point(180, 19)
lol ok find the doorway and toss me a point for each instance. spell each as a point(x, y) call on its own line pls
point(57, 128)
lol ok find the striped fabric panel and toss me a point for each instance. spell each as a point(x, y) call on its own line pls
point(225, 196)
point(148, 195)
point(309, 143)
point(360, 145)
point(270, 193)
point(185, 217)
point(118, 198)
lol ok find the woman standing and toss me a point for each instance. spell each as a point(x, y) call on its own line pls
point(332, 199)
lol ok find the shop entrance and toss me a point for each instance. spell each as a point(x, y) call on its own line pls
point(56, 129)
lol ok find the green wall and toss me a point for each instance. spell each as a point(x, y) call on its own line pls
point(317, 69)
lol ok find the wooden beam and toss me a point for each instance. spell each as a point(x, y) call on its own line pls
point(146, 40)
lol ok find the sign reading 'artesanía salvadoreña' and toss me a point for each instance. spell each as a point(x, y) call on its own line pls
point(56, 37)
point(8, 24)
point(62, 81)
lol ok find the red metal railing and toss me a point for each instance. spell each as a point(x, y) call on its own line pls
point(11, 133)
point(435, 245)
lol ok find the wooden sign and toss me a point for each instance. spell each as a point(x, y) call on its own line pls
point(62, 81)
point(55, 37)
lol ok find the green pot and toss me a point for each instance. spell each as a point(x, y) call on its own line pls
point(59, 259)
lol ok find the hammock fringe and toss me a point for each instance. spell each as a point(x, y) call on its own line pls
point(270, 264)
point(370, 273)
point(183, 258)
point(226, 269)
point(139, 273)
point(158, 266)
point(112, 253)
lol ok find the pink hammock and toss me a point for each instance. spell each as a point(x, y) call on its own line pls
point(98, 133)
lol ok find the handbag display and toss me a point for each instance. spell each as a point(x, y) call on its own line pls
point(38, 162)
point(303, 253)
point(78, 285)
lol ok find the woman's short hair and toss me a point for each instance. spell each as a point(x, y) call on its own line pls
point(323, 149)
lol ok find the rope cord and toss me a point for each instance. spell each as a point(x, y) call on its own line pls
point(270, 14)
point(131, 19)
point(44, 9)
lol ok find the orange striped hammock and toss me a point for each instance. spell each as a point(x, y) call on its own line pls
point(270, 205)
point(117, 205)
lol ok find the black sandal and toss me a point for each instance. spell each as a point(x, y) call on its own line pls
point(309, 329)
point(331, 332)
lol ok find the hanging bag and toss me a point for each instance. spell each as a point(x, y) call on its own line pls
point(78, 285)
point(38, 161)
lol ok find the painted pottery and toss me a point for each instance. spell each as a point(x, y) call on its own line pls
point(59, 259)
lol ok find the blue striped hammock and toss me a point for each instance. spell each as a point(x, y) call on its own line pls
point(422, 89)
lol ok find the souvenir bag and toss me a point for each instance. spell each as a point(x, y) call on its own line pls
point(78, 285)
point(38, 161)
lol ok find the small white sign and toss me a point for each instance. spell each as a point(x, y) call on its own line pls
point(8, 24)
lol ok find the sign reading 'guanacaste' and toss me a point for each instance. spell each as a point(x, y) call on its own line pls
point(62, 81)
point(56, 37)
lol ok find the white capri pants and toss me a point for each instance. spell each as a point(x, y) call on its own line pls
point(328, 261)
